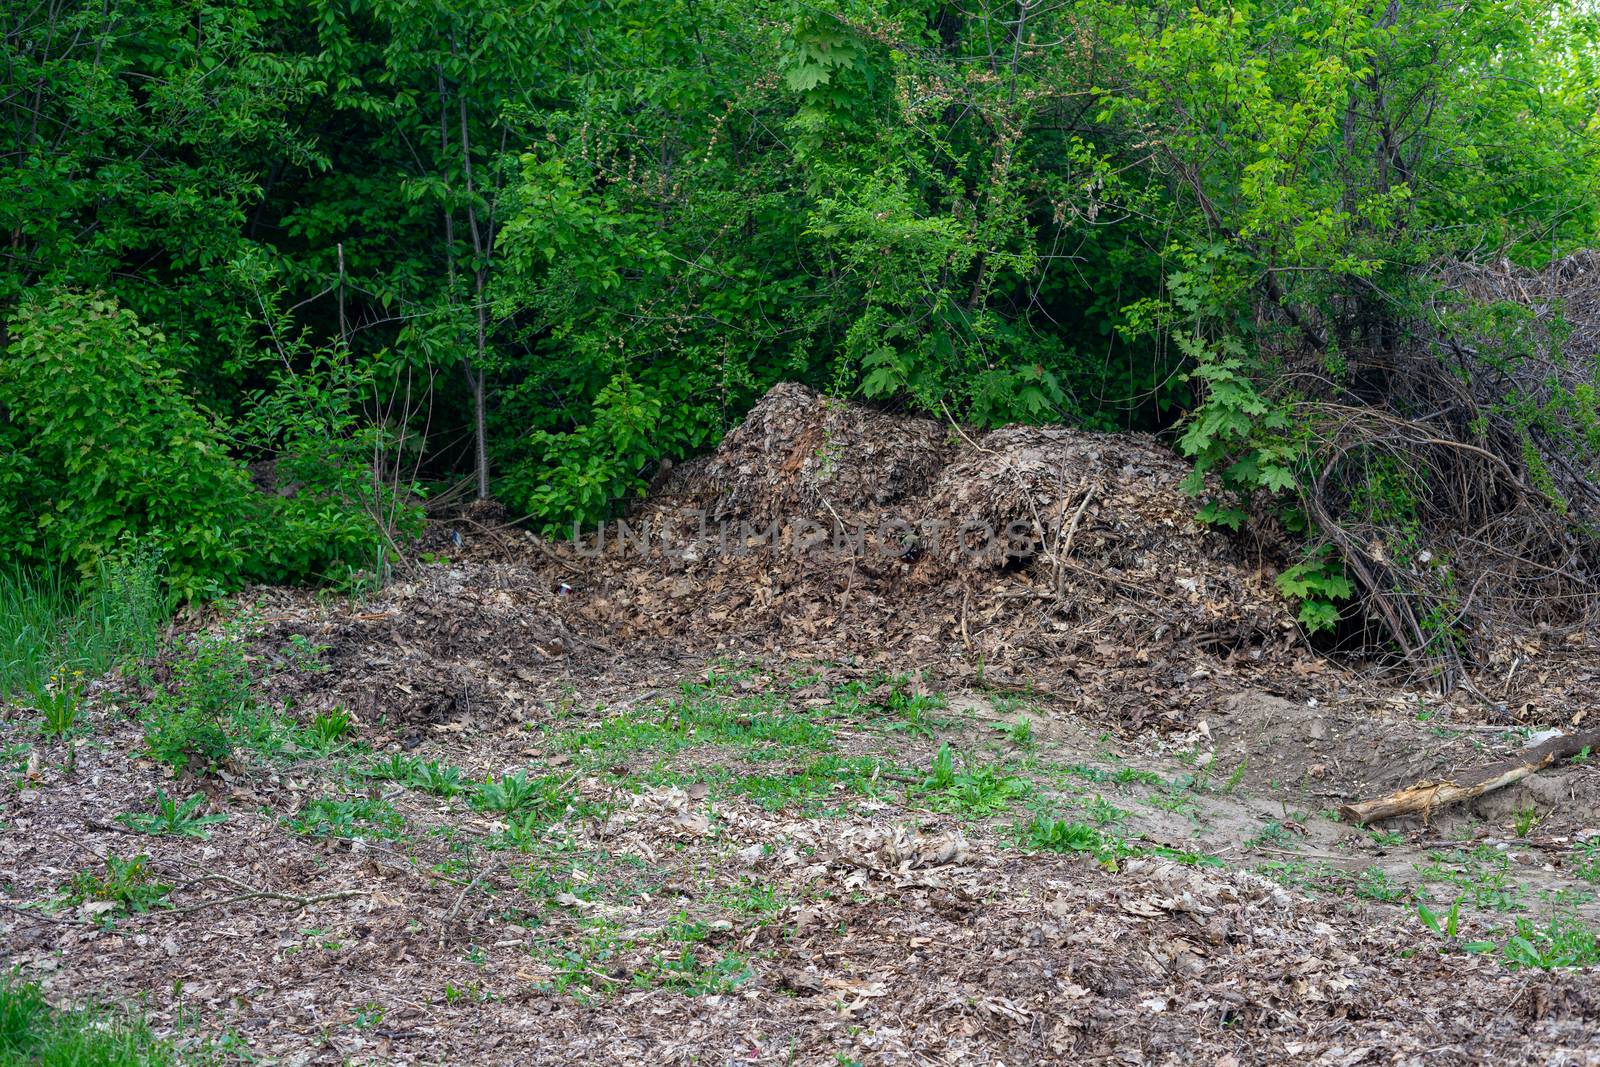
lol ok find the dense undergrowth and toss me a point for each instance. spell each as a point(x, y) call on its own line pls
point(273, 268)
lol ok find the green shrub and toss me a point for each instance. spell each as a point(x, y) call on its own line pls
point(105, 444)
point(114, 448)
point(187, 720)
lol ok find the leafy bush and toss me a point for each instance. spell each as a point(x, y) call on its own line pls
point(188, 719)
point(114, 448)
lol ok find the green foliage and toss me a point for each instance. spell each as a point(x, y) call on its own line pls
point(1059, 835)
point(173, 818)
point(31, 1032)
point(191, 718)
point(538, 798)
point(50, 624)
point(1586, 860)
point(973, 791)
point(1563, 941)
point(343, 247)
point(60, 703)
point(349, 818)
point(115, 449)
point(330, 728)
point(126, 883)
point(1319, 583)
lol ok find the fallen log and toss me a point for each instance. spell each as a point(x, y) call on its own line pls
point(1424, 797)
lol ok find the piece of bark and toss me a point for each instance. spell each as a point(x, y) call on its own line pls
point(1424, 797)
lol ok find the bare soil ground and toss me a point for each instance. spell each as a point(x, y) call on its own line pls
point(929, 804)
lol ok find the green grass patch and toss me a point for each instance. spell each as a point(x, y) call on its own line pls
point(50, 623)
point(33, 1033)
point(701, 715)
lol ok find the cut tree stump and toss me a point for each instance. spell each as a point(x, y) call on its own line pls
point(1424, 797)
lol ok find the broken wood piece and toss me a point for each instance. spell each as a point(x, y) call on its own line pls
point(1424, 797)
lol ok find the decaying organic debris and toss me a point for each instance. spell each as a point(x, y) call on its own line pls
point(1027, 551)
point(768, 866)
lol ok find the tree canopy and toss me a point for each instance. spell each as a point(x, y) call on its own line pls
point(543, 246)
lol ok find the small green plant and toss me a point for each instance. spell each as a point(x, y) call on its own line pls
point(126, 883)
point(981, 791)
point(1019, 733)
point(302, 654)
point(1586, 860)
point(60, 703)
point(690, 972)
point(329, 728)
point(1103, 813)
point(370, 1016)
point(1483, 875)
point(972, 791)
point(361, 817)
point(1374, 884)
point(1320, 584)
point(898, 695)
point(1432, 922)
point(1052, 834)
point(51, 621)
point(1525, 820)
point(172, 818)
point(1236, 777)
point(1562, 942)
point(1272, 835)
point(512, 793)
point(399, 767)
point(186, 720)
point(441, 780)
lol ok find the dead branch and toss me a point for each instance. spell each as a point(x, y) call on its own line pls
point(1425, 797)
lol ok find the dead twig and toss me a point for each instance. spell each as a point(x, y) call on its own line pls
point(461, 897)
